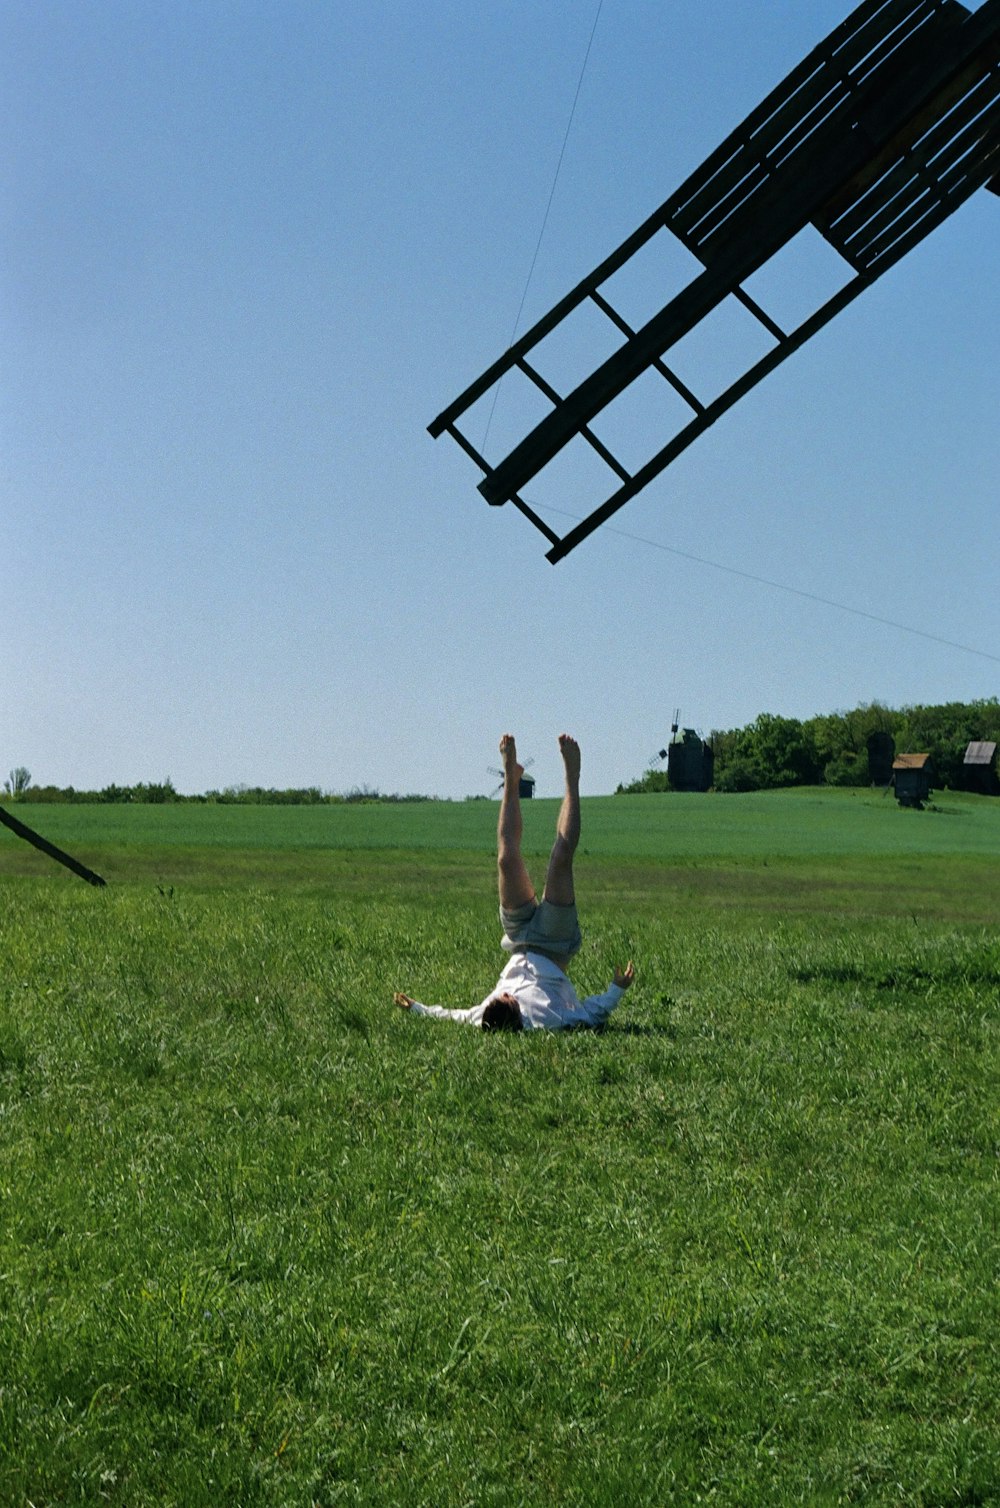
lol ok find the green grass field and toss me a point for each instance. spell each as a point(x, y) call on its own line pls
point(266, 1240)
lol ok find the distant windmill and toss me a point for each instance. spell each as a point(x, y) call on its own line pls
point(526, 787)
point(877, 136)
point(690, 760)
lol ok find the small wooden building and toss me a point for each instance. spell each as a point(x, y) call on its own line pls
point(526, 787)
point(911, 776)
point(979, 768)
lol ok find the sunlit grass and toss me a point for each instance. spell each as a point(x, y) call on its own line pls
point(265, 1240)
point(759, 825)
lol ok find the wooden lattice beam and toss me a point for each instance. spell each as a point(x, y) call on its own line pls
point(878, 136)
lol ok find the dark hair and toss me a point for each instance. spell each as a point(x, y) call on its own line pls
point(502, 1014)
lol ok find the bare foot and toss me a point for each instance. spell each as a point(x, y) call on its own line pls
point(570, 750)
point(508, 754)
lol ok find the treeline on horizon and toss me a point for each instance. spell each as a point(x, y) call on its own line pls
point(772, 751)
point(160, 792)
point(832, 749)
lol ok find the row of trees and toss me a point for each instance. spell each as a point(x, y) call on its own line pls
point(833, 749)
point(18, 787)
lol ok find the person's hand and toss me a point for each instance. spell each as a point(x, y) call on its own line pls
point(403, 1001)
point(625, 976)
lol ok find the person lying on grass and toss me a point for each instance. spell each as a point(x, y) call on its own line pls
point(534, 992)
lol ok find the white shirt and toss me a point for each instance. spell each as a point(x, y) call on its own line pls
point(547, 999)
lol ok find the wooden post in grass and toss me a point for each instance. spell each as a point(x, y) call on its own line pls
point(53, 852)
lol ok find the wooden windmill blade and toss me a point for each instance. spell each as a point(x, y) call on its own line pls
point(44, 846)
point(874, 139)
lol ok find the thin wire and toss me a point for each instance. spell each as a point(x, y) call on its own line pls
point(780, 586)
point(545, 217)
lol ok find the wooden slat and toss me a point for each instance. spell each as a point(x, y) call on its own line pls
point(915, 153)
point(835, 130)
point(621, 472)
point(938, 211)
point(795, 100)
point(469, 448)
point(541, 384)
point(749, 170)
point(874, 11)
point(897, 220)
point(964, 180)
point(913, 177)
point(884, 103)
point(968, 82)
point(962, 37)
point(532, 516)
point(789, 130)
point(922, 217)
point(742, 197)
point(760, 315)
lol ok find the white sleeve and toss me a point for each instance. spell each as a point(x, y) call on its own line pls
point(470, 1017)
point(596, 1009)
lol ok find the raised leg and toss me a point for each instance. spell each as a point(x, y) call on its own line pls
point(516, 888)
point(559, 879)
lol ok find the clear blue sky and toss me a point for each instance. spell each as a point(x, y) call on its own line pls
point(251, 249)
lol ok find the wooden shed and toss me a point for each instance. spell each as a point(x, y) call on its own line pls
point(979, 768)
point(911, 776)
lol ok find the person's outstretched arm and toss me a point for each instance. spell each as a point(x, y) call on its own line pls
point(596, 1009)
point(471, 1017)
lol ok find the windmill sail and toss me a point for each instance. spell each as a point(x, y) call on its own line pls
point(874, 139)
